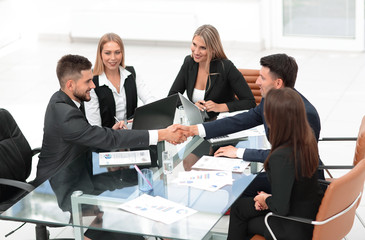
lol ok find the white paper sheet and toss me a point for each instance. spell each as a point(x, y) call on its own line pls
point(221, 163)
point(157, 208)
point(206, 180)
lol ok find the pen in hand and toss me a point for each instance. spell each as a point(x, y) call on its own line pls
point(124, 126)
point(202, 104)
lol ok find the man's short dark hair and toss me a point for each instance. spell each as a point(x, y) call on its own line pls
point(70, 67)
point(281, 66)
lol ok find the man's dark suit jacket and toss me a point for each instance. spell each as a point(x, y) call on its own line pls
point(226, 82)
point(68, 137)
point(255, 117)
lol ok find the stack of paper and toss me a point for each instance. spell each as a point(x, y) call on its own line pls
point(206, 180)
point(157, 208)
point(221, 163)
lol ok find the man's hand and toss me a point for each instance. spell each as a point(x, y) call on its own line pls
point(227, 151)
point(174, 134)
point(188, 130)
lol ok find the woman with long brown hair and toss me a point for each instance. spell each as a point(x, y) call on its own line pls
point(291, 168)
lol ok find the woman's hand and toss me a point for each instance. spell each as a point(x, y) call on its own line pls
point(211, 106)
point(215, 107)
point(258, 206)
point(227, 151)
point(200, 105)
point(119, 125)
point(260, 201)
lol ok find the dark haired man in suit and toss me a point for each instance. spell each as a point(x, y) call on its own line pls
point(67, 134)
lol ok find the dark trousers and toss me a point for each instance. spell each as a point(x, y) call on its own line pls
point(245, 221)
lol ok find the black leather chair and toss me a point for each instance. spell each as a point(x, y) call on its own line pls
point(15, 160)
point(16, 165)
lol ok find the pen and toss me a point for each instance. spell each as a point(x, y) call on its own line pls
point(124, 127)
point(139, 172)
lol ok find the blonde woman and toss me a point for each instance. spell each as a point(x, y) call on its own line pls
point(117, 88)
point(212, 81)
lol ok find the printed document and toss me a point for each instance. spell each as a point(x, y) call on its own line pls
point(157, 208)
point(221, 163)
point(126, 158)
point(206, 180)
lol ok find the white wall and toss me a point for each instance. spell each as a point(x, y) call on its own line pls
point(174, 21)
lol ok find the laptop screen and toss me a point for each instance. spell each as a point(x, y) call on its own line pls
point(156, 115)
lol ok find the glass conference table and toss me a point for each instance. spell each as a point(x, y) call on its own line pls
point(92, 202)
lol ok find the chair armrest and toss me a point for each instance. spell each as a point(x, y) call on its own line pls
point(338, 139)
point(35, 151)
point(322, 167)
point(297, 219)
point(14, 183)
point(293, 218)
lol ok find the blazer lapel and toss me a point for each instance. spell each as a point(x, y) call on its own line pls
point(213, 74)
point(193, 73)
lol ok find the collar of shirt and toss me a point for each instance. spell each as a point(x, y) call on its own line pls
point(76, 103)
point(103, 80)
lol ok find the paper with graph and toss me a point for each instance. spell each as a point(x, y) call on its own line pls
point(221, 163)
point(157, 208)
point(206, 180)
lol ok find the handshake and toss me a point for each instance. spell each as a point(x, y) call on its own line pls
point(177, 133)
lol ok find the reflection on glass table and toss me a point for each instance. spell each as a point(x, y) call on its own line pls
point(97, 196)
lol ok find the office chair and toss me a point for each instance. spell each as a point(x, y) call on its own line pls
point(250, 76)
point(336, 213)
point(358, 156)
point(359, 149)
point(16, 163)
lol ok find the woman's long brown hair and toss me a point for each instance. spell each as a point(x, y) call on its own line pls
point(286, 117)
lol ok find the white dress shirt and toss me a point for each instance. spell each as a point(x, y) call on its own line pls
point(198, 95)
point(92, 109)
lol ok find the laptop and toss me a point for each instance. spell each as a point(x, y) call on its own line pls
point(195, 116)
point(193, 113)
point(156, 115)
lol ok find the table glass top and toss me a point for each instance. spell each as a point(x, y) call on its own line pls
point(103, 191)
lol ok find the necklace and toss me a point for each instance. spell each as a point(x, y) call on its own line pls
point(116, 83)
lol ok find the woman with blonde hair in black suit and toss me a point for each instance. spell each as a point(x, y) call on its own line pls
point(212, 81)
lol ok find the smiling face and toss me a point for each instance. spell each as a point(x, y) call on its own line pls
point(267, 82)
point(81, 88)
point(199, 50)
point(111, 55)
